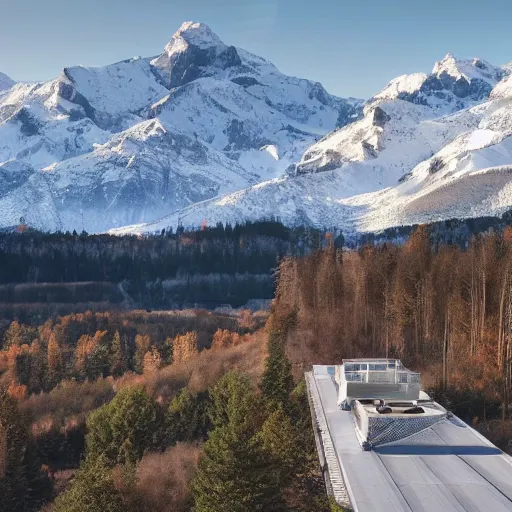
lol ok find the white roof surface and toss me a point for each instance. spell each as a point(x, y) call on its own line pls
point(447, 467)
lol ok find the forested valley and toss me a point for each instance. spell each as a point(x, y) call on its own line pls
point(126, 409)
point(46, 274)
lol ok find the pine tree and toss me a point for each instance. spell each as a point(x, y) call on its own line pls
point(54, 362)
point(93, 490)
point(231, 397)
point(22, 485)
point(187, 419)
point(118, 362)
point(13, 484)
point(277, 380)
point(235, 472)
point(281, 442)
point(125, 428)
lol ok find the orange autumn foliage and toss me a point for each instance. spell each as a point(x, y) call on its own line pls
point(185, 347)
point(17, 391)
point(152, 361)
point(86, 346)
point(224, 339)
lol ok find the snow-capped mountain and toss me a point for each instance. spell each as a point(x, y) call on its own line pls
point(453, 85)
point(97, 148)
point(418, 154)
point(207, 131)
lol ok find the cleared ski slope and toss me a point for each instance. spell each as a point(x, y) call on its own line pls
point(448, 467)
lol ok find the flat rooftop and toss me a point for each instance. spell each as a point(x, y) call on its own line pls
point(447, 467)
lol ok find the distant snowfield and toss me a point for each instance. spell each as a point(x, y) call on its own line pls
point(206, 132)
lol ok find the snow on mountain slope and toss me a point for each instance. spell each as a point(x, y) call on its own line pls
point(304, 101)
point(224, 115)
point(136, 175)
point(454, 84)
point(38, 126)
point(476, 181)
point(503, 89)
point(5, 82)
point(401, 163)
point(115, 91)
point(306, 200)
point(131, 141)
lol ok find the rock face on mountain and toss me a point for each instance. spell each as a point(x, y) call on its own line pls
point(194, 52)
point(453, 85)
point(97, 148)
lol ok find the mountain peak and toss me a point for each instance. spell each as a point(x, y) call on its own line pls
point(194, 51)
point(469, 69)
point(194, 34)
point(453, 84)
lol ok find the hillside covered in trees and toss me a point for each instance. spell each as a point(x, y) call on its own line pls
point(443, 310)
point(66, 272)
point(206, 420)
point(136, 410)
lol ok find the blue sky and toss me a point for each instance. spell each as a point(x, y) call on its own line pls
point(354, 48)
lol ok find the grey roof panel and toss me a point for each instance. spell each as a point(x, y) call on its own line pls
point(471, 490)
point(454, 435)
point(495, 469)
point(369, 486)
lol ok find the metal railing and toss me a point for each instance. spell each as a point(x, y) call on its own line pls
point(383, 377)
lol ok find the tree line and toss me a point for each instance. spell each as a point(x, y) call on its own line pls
point(89, 345)
point(211, 266)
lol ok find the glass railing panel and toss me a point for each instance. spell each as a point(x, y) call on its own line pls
point(355, 376)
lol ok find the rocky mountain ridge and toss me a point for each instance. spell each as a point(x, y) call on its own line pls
point(97, 148)
point(207, 132)
point(427, 148)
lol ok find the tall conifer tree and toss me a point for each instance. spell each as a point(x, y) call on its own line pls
point(277, 379)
